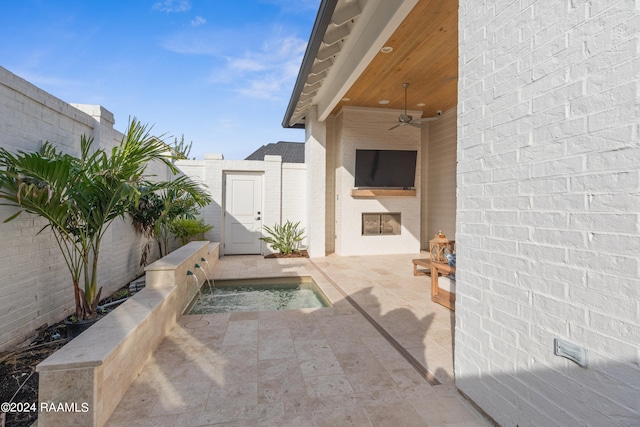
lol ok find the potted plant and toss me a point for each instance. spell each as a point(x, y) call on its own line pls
point(79, 197)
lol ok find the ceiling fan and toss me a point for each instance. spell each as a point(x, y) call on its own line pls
point(406, 119)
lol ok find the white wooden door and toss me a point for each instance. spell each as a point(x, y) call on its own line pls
point(243, 213)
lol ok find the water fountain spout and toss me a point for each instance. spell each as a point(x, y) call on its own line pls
point(206, 276)
point(209, 281)
point(191, 273)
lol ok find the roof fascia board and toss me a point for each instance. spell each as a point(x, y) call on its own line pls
point(376, 24)
point(323, 19)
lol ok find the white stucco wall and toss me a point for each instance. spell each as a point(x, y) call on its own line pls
point(548, 212)
point(35, 286)
point(367, 128)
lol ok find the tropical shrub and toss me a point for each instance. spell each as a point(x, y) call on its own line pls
point(185, 229)
point(177, 199)
point(284, 238)
point(80, 196)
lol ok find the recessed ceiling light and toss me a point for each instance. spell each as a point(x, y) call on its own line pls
point(346, 99)
point(386, 49)
point(422, 104)
point(383, 101)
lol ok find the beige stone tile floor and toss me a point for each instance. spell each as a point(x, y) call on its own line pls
point(313, 367)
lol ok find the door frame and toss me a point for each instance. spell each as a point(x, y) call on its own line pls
point(223, 232)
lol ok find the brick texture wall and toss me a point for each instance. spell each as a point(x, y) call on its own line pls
point(367, 128)
point(35, 287)
point(548, 210)
point(283, 190)
point(294, 190)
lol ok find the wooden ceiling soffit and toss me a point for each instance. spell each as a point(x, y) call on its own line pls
point(342, 22)
point(425, 54)
point(377, 22)
point(357, 31)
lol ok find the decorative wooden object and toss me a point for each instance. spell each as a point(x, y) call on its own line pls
point(426, 263)
point(380, 192)
point(441, 296)
point(439, 247)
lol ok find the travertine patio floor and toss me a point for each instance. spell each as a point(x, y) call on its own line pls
point(315, 367)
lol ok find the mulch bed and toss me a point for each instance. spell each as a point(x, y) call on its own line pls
point(18, 376)
point(296, 254)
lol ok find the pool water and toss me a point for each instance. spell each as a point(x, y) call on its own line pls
point(257, 295)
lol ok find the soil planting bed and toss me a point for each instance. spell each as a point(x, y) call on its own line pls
point(296, 254)
point(18, 374)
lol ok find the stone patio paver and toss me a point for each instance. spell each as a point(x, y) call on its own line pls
point(312, 367)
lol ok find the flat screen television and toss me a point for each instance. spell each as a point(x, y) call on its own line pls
point(386, 168)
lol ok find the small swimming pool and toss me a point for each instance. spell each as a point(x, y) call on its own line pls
point(282, 293)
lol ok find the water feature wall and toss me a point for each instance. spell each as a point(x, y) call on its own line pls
point(97, 367)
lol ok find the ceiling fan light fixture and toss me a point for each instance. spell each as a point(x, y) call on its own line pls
point(405, 119)
point(386, 49)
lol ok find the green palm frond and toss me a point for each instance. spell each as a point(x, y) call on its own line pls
point(80, 196)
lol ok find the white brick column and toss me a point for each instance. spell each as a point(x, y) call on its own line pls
point(315, 153)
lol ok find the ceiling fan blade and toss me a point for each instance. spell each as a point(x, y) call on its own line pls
point(393, 127)
point(427, 119)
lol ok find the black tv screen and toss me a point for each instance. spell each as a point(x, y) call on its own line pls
point(386, 168)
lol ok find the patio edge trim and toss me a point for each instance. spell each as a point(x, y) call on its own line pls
point(424, 373)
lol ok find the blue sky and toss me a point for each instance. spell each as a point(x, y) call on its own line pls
point(219, 72)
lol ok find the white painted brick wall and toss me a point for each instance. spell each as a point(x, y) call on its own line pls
point(294, 190)
point(366, 128)
point(35, 287)
point(283, 188)
point(315, 155)
point(548, 230)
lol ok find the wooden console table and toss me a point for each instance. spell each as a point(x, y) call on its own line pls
point(441, 296)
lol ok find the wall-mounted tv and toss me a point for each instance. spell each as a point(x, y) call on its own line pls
point(386, 168)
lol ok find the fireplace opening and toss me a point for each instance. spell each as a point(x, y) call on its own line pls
point(380, 224)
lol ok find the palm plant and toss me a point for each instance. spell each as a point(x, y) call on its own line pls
point(165, 202)
point(185, 229)
point(79, 197)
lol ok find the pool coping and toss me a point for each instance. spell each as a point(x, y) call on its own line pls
point(269, 281)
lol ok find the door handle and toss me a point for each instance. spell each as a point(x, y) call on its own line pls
point(258, 218)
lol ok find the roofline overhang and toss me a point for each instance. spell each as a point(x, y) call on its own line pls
point(376, 23)
point(323, 19)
